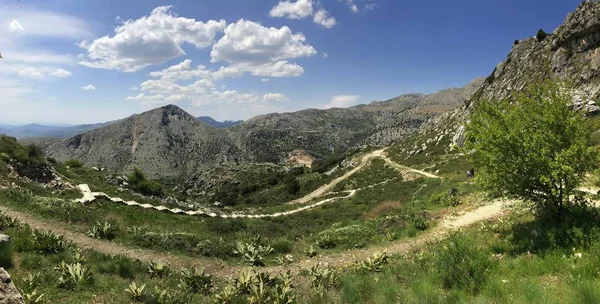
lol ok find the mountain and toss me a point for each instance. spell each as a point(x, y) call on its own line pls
point(320, 132)
point(571, 53)
point(168, 142)
point(164, 142)
point(220, 124)
point(39, 131)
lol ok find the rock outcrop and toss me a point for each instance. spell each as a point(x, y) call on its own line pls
point(571, 53)
point(8, 292)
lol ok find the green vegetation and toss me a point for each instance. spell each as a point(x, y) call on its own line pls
point(138, 182)
point(541, 35)
point(533, 147)
point(11, 149)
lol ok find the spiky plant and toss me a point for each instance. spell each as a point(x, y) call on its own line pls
point(136, 293)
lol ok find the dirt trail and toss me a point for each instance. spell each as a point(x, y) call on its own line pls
point(216, 267)
point(363, 162)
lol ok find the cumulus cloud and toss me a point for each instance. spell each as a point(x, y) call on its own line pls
point(342, 101)
point(88, 87)
point(30, 72)
point(292, 10)
point(149, 40)
point(302, 9)
point(61, 73)
point(322, 18)
point(274, 97)
point(265, 80)
point(262, 51)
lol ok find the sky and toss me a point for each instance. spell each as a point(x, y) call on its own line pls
point(74, 62)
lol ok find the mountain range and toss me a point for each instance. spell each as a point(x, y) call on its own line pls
point(168, 142)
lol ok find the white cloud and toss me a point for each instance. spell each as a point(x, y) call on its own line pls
point(265, 80)
point(30, 72)
point(292, 10)
point(250, 42)
point(370, 7)
point(354, 8)
point(262, 51)
point(274, 97)
point(322, 18)
point(325, 55)
point(61, 73)
point(134, 88)
point(150, 40)
point(26, 22)
point(88, 87)
point(15, 26)
point(342, 101)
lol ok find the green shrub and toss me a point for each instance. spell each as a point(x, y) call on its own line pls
point(120, 265)
point(6, 257)
point(138, 182)
point(516, 42)
point(73, 275)
point(460, 264)
point(48, 242)
point(282, 246)
point(541, 35)
point(196, 281)
point(106, 230)
point(73, 163)
point(352, 236)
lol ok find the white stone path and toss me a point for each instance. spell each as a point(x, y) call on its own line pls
point(89, 196)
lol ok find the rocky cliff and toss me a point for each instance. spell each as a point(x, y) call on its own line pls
point(571, 53)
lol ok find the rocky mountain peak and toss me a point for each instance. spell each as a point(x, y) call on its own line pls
point(571, 53)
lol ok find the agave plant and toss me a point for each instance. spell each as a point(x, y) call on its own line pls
point(196, 281)
point(138, 231)
point(136, 293)
point(376, 263)
point(72, 275)
point(158, 269)
point(244, 281)
point(31, 282)
point(106, 230)
point(33, 297)
point(285, 259)
point(252, 253)
point(311, 252)
point(258, 293)
point(227, 295)
point(323, 277)
point(48, 242)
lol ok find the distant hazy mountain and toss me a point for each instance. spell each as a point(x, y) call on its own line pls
point(220, 124)
point(44, 131)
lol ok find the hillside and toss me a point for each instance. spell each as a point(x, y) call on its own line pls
point(163, 142)
point(571, 53)
point(187, 144)
point(270, 137)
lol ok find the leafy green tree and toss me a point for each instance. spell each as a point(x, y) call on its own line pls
point(532, 147)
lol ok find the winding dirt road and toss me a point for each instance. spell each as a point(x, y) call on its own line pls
point(218, 268)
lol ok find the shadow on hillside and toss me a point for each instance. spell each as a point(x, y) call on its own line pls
point(577, 227)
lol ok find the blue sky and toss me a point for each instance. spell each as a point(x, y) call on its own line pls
point(69, 61)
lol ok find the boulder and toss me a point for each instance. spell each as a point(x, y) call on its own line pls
point(8, 292)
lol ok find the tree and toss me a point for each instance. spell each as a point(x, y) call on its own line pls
point(541, 35)
point(292, 184)
point(533, 146)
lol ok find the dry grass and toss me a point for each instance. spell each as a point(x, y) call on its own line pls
point(383, 208)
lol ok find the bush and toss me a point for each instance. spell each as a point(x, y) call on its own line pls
point(106, 230)
point(516, 42)
point(141, 184)
point(120, 265)
point(48, 242)
point(6, 255)
point(532, 147)
point(541, 35)
point(460, 264)
point(292, 184)
point(73, 163)
point(196, 281)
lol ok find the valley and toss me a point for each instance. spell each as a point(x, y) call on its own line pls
point(486, 193)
